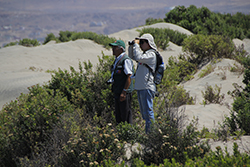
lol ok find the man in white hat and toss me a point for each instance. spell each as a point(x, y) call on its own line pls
point(143, 53)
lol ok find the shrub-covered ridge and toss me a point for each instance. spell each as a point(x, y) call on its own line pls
point(203, 21)
point(70, 120)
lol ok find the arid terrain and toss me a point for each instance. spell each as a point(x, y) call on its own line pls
point(22, 67)
point(35, 19)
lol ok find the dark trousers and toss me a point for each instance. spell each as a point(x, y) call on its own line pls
point(123, 111)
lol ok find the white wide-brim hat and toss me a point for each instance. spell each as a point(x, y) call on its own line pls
point(150, 40)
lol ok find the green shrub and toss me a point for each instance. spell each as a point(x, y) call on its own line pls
point(213, 159)
point(129, 133)
point(11, 44)
point(29, 42)
point(174, 96)
point(203, 21)
point(180, 68)
point(240, 54)
point(218, 158)
point(24, 42)
point(169, 139)
point(65, 36)
point(209, 69)
point(239, 69)
point(212, 95)
point(202, 49)
point(50, 37)
point(86, 88)
point(240, 114)
point(91, 145)
point(28, 121)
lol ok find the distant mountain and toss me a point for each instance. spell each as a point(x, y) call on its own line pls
point(95, 6)
point(35, 18)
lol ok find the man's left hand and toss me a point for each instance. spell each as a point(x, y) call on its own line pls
point(123, 96)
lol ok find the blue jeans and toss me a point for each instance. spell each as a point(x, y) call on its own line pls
point(145, 98)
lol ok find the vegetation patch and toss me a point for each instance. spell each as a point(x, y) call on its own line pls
point(212, 95)
point(24, 42)
point(203, 21)
point(65, 36)
point(204, 72)
point(240, 114)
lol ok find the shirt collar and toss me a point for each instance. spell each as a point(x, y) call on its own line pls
point(120, 55)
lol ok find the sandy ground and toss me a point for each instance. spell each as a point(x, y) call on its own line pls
point(22, 67)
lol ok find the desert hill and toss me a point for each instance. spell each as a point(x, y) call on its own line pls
point(22, 67)
point(19, 61)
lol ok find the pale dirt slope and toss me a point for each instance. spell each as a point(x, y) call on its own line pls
point(17, 61)
point(16, 75)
